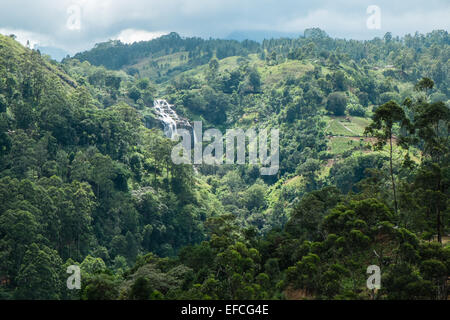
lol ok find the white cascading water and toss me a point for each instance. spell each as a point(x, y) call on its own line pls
point(167, 116)
point(170, 120)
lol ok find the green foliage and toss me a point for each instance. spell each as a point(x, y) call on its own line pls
point(39, 276)
point(336, 103)
point(83, 179)
point(356, 110)
point(100, 287)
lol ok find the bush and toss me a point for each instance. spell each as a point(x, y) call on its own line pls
point(356, 110)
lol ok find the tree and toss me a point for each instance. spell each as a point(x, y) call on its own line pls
point(347, 174)
point(24, 114)
point(388, 37)
point(424, 85)
point(305, 274)
point(381, 127)
point(18, 230)
point(431, 191)
point(336, 103)
point(131, 247)
point(75, 205)
point(141, 289)
point(432, 122)
point(431, 125)
point(91, 266)
point(308, 215)
point(401, 282)
point(143, 84)
point(134, 93)
point(309, 170)
point(254, 197)
point(340, 81)
point(254, 80)
point(3, 103)
point(113, 82)
point(101, 287)
point(5, 141)
point(39, 274)
point(213, 71)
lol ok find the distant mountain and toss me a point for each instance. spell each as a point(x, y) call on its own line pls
point(260, 35)
point(55, 53)
point(116, 55)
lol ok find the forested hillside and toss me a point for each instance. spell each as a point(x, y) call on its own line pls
point(87, 179)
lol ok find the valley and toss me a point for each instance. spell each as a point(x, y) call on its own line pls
point(87, 177)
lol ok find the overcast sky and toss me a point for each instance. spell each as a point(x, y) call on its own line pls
point(76, 25)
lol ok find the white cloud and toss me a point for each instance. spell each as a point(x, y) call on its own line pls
point(326, 20)
point(135, 20)
point(133, 35)
point(422, 21)
point(25, 37)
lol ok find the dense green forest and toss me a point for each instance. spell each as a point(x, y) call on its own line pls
point(86, 175)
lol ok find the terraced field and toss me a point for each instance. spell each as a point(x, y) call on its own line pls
point(346, 134)
point(346, 127)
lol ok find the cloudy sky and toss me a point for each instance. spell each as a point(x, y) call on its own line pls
point(76, 25)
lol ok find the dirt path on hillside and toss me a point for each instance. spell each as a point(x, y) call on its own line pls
point(355, 138)
point(347, 128)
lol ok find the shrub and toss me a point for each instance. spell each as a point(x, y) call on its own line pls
point(356, 110)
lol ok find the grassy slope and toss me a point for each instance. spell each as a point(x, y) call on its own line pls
point(155, 67)
point(271, 75)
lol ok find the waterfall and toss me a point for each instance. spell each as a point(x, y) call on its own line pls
point(167, 116)
point(195, 137)
point(171, 121)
